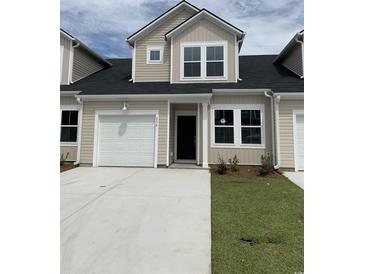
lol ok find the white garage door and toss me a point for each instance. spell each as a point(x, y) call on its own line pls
point(126, 140)
point(299, 142)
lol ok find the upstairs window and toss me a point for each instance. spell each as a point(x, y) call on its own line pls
point(215, 61)
point(154, 54)
point(69, 124)
point(192, 62)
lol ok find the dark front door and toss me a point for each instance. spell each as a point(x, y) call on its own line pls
point(186, 132)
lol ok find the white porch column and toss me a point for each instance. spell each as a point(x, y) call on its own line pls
point(205, 135)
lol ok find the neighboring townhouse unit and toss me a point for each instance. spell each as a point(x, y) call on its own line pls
point(77, 62)
point(186, 96)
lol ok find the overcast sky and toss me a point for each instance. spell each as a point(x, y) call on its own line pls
point(103, 25)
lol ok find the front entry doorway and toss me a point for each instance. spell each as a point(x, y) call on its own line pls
point(186, 137)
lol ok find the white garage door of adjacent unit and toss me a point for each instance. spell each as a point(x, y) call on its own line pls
point(125, 140)
point(299, 142)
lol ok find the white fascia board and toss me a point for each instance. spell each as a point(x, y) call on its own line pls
point(67, 35)
point(199, 97)
point(239, 91)
point(207, 15)
point(69, 93)
point(154, 23)
point(290, 95)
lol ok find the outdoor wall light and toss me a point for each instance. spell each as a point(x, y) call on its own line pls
point(125, 106)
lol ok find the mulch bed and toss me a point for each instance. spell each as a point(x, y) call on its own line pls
point(244, 171)
point(66, 166)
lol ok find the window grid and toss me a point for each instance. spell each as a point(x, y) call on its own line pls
point(64, 126)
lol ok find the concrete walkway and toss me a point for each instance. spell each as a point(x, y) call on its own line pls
point(135, 220)
point(296, 177)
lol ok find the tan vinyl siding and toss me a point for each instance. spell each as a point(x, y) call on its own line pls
point(286, 108)
point(72, 153)
point(204, 31)
point(246, 156)
point(293, 60)
point(157, 72)
point(88, 121)
point(66, 43)
point(68, 100)
point(84, 64)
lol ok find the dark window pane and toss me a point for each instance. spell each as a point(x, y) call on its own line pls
point(192, 69)
point(68, 134)
point(215, 69)
point(155, 55)
point(223, 117)
point(224, 135)
point(251, 135)
point(250, 118)
point(69, 117)
point(215, 53)
point(192, 54)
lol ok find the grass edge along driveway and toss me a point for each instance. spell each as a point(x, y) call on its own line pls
point(267, 210)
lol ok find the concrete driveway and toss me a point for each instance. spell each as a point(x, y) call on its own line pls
point(296, 177)
point(135, 220)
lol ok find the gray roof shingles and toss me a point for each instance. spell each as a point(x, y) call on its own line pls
point(256, 72)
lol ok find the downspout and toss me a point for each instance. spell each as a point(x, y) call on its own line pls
point(79, 130)
point(72, 60)
point(238, 56)
point(270, 95)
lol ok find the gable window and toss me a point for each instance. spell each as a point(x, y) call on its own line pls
point(69, 124)
point(224, 126)
point(215, 61)
point(238, 126)
point(154, 54)
point(203, 61)
point(192, 62)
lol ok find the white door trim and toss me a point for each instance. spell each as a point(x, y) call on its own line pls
point(125, 112)
point(295, 113)
point(184, 113)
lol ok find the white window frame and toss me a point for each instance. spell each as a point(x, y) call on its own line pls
point(203, 62)
point(237, 125)
point(154, 48)
point(71, 108)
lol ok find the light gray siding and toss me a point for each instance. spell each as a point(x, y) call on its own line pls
point(88, 122)
point(65, 43)
point(204, 31)
point(246, 156)
point(68, 100)
point(294, 60)
point(84, 64)
point(286, 108)
point(157, 72)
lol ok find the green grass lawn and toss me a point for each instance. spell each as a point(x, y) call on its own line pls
point(267, 210)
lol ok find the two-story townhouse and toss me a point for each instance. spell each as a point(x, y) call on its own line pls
point(186, 96)
point(77, 62)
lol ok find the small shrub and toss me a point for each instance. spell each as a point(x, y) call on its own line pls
point(222, 167)
point(233, 164)
point(266, 165)
point(63, 159)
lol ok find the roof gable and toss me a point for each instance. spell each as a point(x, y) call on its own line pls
point(145, 30)
point(210, 17)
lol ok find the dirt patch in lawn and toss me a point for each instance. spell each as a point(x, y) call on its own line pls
point(66, 166)
point(244, 171)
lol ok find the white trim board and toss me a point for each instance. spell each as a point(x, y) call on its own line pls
point(295, 113)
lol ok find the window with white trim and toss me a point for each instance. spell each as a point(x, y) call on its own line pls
point(154, 55)
point(69, 125)
point(215, 61)
point(192, 61)
point(251, 125)
point(203, 61)
point(238, 126)
point(223, 126)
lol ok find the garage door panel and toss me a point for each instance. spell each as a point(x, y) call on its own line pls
point(126, 141)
